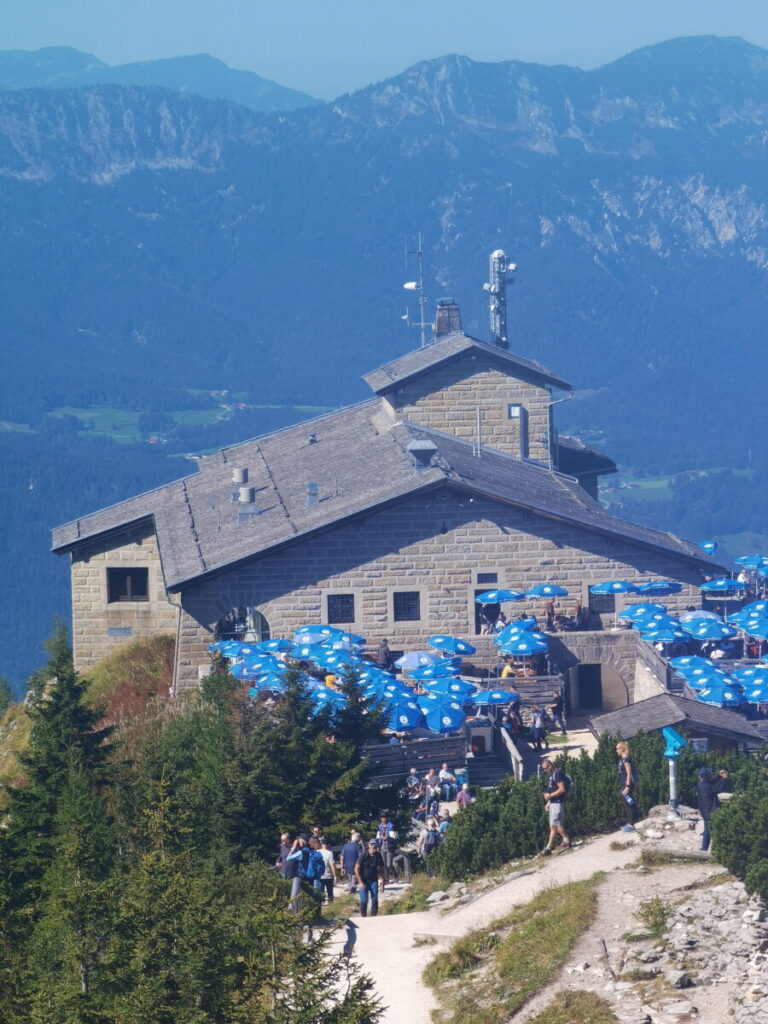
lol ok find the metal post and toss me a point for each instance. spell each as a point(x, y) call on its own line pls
point(672, 783)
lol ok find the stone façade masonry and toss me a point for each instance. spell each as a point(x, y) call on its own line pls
point(434, 544)
point(92, 614)
point(447, 397)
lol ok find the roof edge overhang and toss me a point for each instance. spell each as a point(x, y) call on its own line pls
point(112, 531)
point(534, 374)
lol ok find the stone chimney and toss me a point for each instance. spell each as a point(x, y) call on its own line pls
point(447, 318)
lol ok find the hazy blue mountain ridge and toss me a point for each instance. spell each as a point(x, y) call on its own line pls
point(56, 67)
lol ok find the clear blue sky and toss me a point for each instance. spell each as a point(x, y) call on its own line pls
point(327, 47)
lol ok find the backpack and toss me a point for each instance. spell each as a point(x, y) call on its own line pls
point(431, 840)
point(315, 866)
point(568, 786)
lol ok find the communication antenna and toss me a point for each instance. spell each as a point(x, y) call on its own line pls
point(497, 289)
point(418, 287)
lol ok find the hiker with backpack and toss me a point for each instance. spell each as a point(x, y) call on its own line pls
point(296, 869)
point(559, 788)
point(315, 867)
point(627, 783)
point(428, 841)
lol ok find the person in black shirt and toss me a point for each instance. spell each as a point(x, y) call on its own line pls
point(627, 783)
point(368, 868)
point(555, 710)
point(554, 800)
point(706, 794)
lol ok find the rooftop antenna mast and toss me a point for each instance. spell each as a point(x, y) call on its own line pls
point(418, 287)
point(497, 289)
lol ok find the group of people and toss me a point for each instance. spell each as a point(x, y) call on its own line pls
point(426, 792)
point(544, 718)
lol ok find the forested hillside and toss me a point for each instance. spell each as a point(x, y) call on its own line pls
point(159, 245)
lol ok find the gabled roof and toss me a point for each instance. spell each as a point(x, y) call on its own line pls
point(360, 461)
point(420, 360)
point(667, 709)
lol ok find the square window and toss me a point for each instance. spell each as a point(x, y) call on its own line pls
point(487, 577)
point(341, 608)
point(514, 411)
point(602, 603)
point(127, 585)
point(406, 606)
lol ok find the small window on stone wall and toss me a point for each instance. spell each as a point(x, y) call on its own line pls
point(406, 606)
point(341, 608)
point(602, 603)
point(127, 585)
point(487, 577)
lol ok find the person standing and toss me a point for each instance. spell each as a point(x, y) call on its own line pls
point(368, 868)
point(554, 801)
point(282, 856)
point(328, 877)
point(383, 655)
point(428, 841)
point(464, 797)
point(296, 868)
point(538, 732)
point(351, 852)
point(556, 711)
point(627, 783)
point(707, 791)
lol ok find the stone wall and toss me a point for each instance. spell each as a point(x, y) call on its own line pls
point(100, 627)
point(435, 545)
point(630, 672)
point(447, 398)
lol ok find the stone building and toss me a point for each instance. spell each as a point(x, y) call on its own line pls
point(387, 517)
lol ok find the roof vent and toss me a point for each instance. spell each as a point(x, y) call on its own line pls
point(421, 452)
point(312, 439)
point(240, 476)
point(312, 494)
point(247, 495)
point(447, 318)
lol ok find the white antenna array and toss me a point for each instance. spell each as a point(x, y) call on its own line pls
point(497, 288)
point(418, 287)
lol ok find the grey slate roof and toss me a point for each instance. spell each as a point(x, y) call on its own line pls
point(420, 360)
point(359, 461)
point(667, 709)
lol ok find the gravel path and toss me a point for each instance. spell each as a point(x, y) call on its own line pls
point(391, 948)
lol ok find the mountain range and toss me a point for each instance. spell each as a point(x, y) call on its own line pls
point(60, 67)
point(160, 244)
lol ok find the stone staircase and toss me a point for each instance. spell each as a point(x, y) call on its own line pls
point(485, 771)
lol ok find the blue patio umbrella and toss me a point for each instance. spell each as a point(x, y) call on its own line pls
point(756, 606)
point(700, 613)
point(447, 717)
point(405, 715)
point(656, 620)
point(499, 596)
point(751, 561)
point(547, 590)
point(708, 629)
point(348, 639)
point(490, 698)
point(450, 644)
point(720, 696)
point(709, 547)
point(270, 681)
point(238, 649)
point(217, 645)
point(642, 610)
point(338, 660)
point(756, 693)
point(316, 634)
point(416, 659)
point(396, 691)
point(308, 652)
point(252, 668)
point(513, 630)
point(722, 586)
point(744, 618)
point(665, 635)
point(374, 676)
point(660, 587)
point(524, 646)
point(763, 571)
point(691, 661)
point(437, 671)
point(457, 688)
point(751, 675)
point(324, 696)
point(276, 646)
point(614, 587)
point(756, 628)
